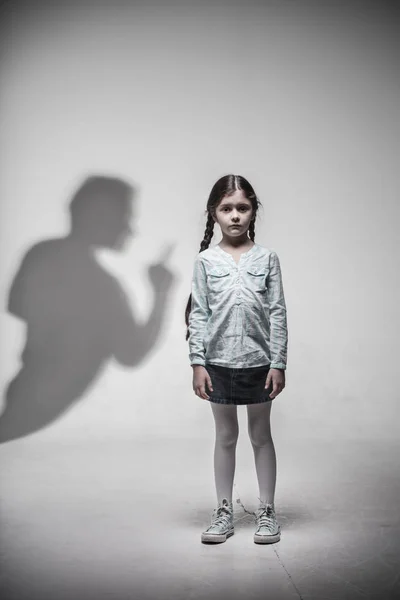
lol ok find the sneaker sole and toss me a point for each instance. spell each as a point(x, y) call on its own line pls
point(216, 538)
point(266, 539)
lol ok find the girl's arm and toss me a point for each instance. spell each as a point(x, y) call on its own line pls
point(199, 314)
point(277, 315)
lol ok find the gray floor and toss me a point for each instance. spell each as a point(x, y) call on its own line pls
point(122, 520)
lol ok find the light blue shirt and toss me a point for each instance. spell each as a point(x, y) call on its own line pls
point(238, 312)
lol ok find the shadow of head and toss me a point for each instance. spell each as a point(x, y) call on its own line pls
point(101, 212)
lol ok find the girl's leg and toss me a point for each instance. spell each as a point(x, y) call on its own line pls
point(263, 447)
point(226, 435)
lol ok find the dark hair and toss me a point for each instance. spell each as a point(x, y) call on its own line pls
point(225, 186)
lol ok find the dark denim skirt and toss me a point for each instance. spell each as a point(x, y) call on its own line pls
point(238, 386)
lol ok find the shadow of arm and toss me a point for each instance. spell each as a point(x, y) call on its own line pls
point(19, 297)
point(132, 341)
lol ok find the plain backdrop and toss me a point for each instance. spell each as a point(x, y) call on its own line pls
point(302, 98)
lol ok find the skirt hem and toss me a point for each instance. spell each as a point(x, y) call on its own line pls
point(239, 402)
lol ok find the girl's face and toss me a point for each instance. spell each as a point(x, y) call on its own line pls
point(233, 214)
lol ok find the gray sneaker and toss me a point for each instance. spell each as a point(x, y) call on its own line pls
point(268, 530)
point(221, 524)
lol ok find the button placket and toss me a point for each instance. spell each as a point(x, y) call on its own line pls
point(238, 283)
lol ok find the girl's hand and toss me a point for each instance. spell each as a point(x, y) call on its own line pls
point(277, 377)
point(200, 379)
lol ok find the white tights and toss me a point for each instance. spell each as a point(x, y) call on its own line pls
point(226, 435)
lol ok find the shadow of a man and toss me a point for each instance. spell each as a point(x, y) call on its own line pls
point(76, 313)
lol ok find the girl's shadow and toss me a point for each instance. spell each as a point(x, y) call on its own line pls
point(77, 316)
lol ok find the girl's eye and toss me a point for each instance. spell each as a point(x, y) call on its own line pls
point(241, 208)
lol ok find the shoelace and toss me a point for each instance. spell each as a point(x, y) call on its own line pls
point(222, 516)
point(265, 517)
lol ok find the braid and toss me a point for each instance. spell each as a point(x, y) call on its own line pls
point(208, 234)
point(252, 233)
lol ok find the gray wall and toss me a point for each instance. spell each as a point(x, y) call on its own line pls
point(300, 97)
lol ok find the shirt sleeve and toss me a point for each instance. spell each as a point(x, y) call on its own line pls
point(199, 314)
point(277, 315)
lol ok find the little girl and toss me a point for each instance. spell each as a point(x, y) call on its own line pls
point(237, 332)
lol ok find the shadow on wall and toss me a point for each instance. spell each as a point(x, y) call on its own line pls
point(76, 313)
